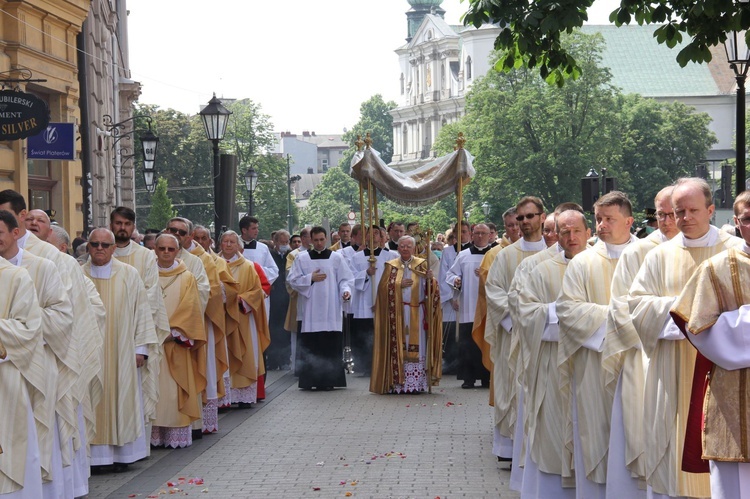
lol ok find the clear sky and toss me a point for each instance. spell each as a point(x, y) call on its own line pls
point(309, 64)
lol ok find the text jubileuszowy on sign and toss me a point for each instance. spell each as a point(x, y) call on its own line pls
point(21, 115)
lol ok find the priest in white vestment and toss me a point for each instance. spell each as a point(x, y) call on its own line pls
point(713, 312)
point(323, 281)
point(669, 378)
point(130, 347)
point(539, 331)
point(530, 216)
point(22, 364)
point(582, 312)
point(625, 364)
point(88, 327)
point(122, 224)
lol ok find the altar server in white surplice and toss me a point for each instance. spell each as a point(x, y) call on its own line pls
point(323, 281)
point(530, 215)
point(448, 299)
point(256, 251)
point(130, 347)
point(366, 279)
point(625, 364)
point(22, 364)
point(463, 276)
point(543, 467)
point(582, 312)
point(672, 360)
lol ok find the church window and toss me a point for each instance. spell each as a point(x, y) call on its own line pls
point(468, 68)
point(402, 83)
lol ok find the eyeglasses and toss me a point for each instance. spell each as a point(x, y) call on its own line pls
point(96, 244)
point(528, 216)
point(744, 221)
point(175, 230)
point(663, 216)
point(166, 248)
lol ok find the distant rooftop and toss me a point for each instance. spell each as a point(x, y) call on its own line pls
point(641, 65)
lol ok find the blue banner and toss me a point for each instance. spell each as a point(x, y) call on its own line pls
point(56, 142)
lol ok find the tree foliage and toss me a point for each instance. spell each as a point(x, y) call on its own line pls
point(529, 138)
point(375, 119)
point(161, 206)
point(185, 160)
point(533, 34)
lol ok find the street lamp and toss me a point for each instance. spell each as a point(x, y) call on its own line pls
point(251, 182)
point(149, 143)
point(486, 210)
point(215, 118)
point(738, 56)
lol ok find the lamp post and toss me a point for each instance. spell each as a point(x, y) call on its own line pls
point(149, 144)
point(251, 182)
point(215, 118)
point(486, 210)
point(738, 56)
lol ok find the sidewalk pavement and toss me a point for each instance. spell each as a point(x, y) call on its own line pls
point(345, 443)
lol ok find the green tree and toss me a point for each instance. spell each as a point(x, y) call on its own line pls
point(161, 206)
point(375, 119)
point(533, 30)
point(331, 198)
point(183, 158)
point(531, 138)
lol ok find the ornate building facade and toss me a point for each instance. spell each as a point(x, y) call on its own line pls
point(438, 65)
point(39, 37)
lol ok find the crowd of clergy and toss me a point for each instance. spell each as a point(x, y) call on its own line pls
point(618, 364)
point(615, 365)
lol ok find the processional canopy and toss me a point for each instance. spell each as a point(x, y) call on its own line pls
point(427, 184)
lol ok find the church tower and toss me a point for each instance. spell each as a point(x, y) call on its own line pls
point(419, 9)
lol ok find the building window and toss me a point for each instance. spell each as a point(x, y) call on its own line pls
point(404, 141)
point(324, 164)
point(402, 83)
point(468, 68)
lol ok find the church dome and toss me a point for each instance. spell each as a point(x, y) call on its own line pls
point(425, 3)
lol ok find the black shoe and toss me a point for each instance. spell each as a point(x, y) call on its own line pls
point(468, 384)
point(485, 383)
point(224, 409)
point(244, 405)
point(120, 467)
point(197, 434)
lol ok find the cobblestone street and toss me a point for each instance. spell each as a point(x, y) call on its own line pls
point(344, 443)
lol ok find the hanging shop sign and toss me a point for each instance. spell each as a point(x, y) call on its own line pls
point(56, 142)
point(21, 115)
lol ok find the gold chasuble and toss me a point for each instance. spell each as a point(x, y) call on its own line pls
point(498, 336)
point(21, 370)
point(219, 278)
point(182, 302)
point(242, 364)
point(390, 349)
point(582, 311)
point(129, 325)
point(542, 402)
point(623, 353)
point(662, 277)
point(720, 285)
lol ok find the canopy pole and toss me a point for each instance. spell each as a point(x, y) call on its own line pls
point(428, 297)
